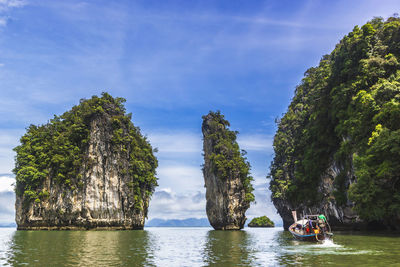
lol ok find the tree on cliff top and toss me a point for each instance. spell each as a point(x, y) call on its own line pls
point(57, 150)
point(346, 112)
point(226, 158)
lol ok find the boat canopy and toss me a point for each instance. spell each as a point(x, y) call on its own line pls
point(313, 217)
point(302, 222)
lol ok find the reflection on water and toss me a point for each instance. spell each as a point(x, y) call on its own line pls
point(229, 248)
point(80, 248)
point(192, 247)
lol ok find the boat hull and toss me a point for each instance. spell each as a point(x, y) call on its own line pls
point(309, 237)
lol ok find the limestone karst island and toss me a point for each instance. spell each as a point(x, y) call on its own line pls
point(337, 147)
point(226, 175)
point(88, 168)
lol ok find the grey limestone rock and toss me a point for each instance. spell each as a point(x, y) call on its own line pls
point(105, 199)
point(226, 196)
point(339, 216)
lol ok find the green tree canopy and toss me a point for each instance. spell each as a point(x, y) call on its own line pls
point(262, 221)
point(227, 159)
point(58, 150)
point(346, 112)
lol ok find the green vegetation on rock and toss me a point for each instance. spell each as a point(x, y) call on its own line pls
point(262, 221)
point(346, 114)
point(227, 159)
point(58, 150)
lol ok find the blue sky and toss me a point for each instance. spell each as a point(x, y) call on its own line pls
point(173, 61)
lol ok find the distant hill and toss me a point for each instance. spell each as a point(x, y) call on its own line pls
point(8, 225)
point(190, 222)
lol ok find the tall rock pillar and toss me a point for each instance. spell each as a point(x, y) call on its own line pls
point(226, 175)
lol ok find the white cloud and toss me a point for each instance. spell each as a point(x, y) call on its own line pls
point(179, 157)
point(178, 142)
point(8, 140)
point(10, 137)
point(167, 204)
point(183, 177)
point(7, 209)
point(255, 142)
point(7, 183)
point(163, 72)
point(263, 205)
point(7, 198)
point(180, 171)
point(260, 181)
point(7, 4)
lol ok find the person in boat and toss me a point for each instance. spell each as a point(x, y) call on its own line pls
point(298, 227)
point(309, 227)
point(322, 222)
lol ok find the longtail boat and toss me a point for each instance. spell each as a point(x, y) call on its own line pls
point(310, 228)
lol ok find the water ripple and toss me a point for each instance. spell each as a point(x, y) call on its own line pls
point(190, 247)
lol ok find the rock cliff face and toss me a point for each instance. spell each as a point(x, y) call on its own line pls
point(226, 175)
point(341, 217)
point(110, 189)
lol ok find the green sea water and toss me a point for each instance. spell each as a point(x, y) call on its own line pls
point(193, 247)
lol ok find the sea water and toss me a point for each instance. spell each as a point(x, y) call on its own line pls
point(193, 247)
